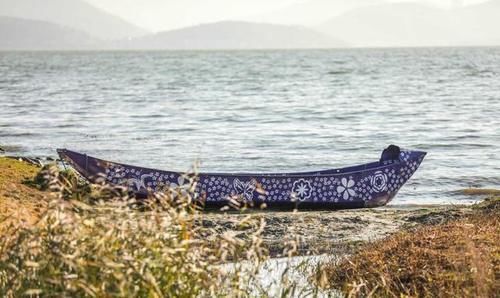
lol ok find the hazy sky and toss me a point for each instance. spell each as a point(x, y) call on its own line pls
point(160, 15)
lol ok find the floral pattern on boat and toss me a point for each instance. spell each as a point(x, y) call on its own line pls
point(367, 185)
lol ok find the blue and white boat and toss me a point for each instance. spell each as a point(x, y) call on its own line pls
point(366, 185)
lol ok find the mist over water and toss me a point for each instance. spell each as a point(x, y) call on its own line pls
point(264, 110)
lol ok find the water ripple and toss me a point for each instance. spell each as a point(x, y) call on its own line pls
point(264, 110)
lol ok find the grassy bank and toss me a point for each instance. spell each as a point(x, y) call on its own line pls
point(20, 203)
point(459, 258)
point(63, 238)
point(78, 246)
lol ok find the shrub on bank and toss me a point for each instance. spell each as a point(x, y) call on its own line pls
point(460, 258)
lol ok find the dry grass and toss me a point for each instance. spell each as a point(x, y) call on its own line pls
point(81, 246)
point(96, 241)
point(19, 203)
point(460, 258)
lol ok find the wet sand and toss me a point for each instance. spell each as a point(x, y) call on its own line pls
point(336, 231)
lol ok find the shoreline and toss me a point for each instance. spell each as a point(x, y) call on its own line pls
point(327, 232)
point(300, 249)
point(317, 231)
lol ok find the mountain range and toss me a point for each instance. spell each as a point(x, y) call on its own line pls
point(235, 35)
point(75, 24)
point(22, 34)
point(75, 14)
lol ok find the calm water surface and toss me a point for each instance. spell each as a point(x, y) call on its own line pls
point(264, 110)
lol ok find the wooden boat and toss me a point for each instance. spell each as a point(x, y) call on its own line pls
point(367, 185)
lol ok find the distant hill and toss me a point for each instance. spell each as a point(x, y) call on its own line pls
point(76, 14)
point(235, 35)
point(22, 34)
point(414, 24)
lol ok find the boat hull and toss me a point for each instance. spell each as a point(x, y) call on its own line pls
point(367, 185)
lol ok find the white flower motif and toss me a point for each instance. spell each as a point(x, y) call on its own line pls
point(179, 188)
point(244, 189)
point(346, 188)
point(302, 189)
point(180, 182)
point(379, 181)
point(139, 182)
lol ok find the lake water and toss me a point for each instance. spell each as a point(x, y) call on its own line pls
point(264, 110)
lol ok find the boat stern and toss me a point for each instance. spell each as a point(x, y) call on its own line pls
point(395, 173)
